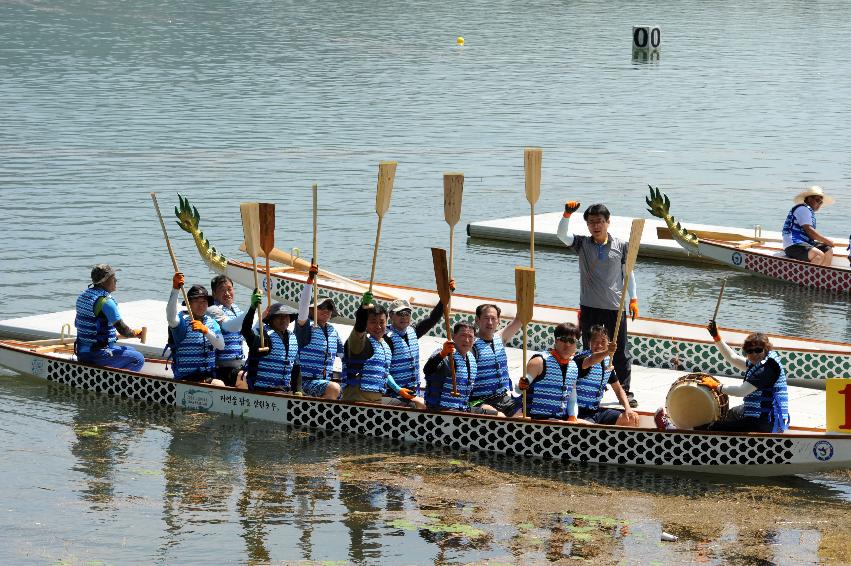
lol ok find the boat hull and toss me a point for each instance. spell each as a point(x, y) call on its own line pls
point(718, 453)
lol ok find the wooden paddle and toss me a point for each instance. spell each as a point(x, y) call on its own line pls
point(143, 336)
point(721, 294)
point(315, 190)
point(631, 254)
point(524, 284)
point(453, 191)
point(250, 212)
point(266, 213)
point(532, 165)
point(171, 253)
point(441, 277)
point(386, 174)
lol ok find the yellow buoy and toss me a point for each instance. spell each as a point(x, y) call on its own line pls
point(460, 41)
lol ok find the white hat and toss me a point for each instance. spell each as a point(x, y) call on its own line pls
point(814, 191)
point(399, 305)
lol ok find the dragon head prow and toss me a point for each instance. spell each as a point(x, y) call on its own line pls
point(659, 205)
point(189, 220)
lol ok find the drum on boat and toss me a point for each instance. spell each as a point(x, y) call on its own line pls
point(690, 404)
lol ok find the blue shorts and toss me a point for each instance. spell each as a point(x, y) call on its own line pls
point(314, 387)
point(600, 415)
point(119, 357)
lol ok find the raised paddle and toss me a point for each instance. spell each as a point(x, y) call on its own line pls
point(532, 166)
point(453, 191)
point(524, 284)
point(315, 190)
point(441, 277)
point(631, 254)
point(171, 253)
point(386, 174)
point(143, 336)
point(250, 212)
point(266, 213)
point(720, 294)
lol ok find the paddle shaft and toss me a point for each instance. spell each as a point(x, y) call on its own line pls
point(315, 190)
point(524, 283)
point(441, 276)
point(632, 253)
point(720, 295)
point(386, 174)
point(375, 252)
point(171, 253)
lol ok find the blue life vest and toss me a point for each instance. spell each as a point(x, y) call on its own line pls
point(547, 396)
point(795, 230)
point(370, 374)
point(492, 377)
point(93, 332)
point(193, 354)
point(405, 363)
point(771, 403)
point(591, 386)
point(274, 370)
point(233, 340)
point(317, 357)
point(438, 393)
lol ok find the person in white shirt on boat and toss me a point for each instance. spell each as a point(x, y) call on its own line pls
point(193, 341)
point(99, 323)
point(602, 258)
point(766, 400)
point(227, 313)
point(801, 241)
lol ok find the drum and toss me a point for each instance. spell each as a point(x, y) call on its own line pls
point(690, 404)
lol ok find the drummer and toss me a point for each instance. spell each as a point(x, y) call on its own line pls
point(594, 373)
point(766, 399)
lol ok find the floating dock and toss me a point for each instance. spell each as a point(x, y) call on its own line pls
point(650, 385)
point(517, 228)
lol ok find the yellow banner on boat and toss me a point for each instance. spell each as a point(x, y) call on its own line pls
point(838, 409)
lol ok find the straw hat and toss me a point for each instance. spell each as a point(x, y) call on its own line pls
point(814, 191)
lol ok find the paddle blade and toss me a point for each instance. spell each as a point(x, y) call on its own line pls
point(532, 163)
point(634, 243)
point(524, 284)
point(453, 191)
point(441, 274)
point(251, 227)
point(266, 213)
point(386, 174)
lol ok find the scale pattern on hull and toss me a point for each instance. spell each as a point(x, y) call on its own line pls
point(798, 272)
point(102, 380)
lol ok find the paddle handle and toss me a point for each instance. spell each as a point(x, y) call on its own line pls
point(447, 314)
point(143, 336)
point(315, 190)
point(451, 247)
point(375, 252)
point(532, 239)
point(171, 253)
point(259, 314)
point(720, 295)
point(525, 354)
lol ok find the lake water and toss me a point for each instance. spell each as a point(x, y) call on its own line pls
point(223, 101)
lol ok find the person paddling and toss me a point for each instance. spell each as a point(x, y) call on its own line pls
point(194, 336)
point(276, 369)
point(801, 241)
point(492, 388)
point(550, 380)
point(318, 342)
point(402, 337)
point(98, 324)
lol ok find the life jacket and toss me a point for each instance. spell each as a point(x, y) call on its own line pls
point(795, 230)
point(233, 340)
point(492, 377)
point(405, 362)
point(274, 370)
point(591, 386)
point(438, 393)
point(93, 332)
point(370, 374)
point(547, 395)
point(770, 403)
point(317, 357)
point(193, 354)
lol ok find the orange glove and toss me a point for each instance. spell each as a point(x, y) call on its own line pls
point(452, 285)
point(709, 382)
point(177, 281)
point(570, 207)
point(406, 394)
point(523, 384)
point(311, 273)
point(713, 330)
point(633, 308)
point(571, 419)
point(448, 349)
point(198, 326)
point(137, 332)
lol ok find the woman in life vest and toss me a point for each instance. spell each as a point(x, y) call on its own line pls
point(276, 369)
point(193, 340)
point(800, 239)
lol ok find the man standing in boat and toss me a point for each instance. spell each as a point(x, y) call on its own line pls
point(403, 339)
point(98, 324)
point(193, 340)
point(602, 258)
point(227, 313)
point(367, 359)
point(493, 388)
point(800, 239)
point(318, 343)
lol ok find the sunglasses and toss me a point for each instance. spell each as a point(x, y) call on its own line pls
point(567, 339)
point(753, 350)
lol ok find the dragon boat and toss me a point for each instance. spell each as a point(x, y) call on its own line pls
point(799, 450)
point(760, 256)
point(654, 343)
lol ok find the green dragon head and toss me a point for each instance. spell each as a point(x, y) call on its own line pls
point(188, 219)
